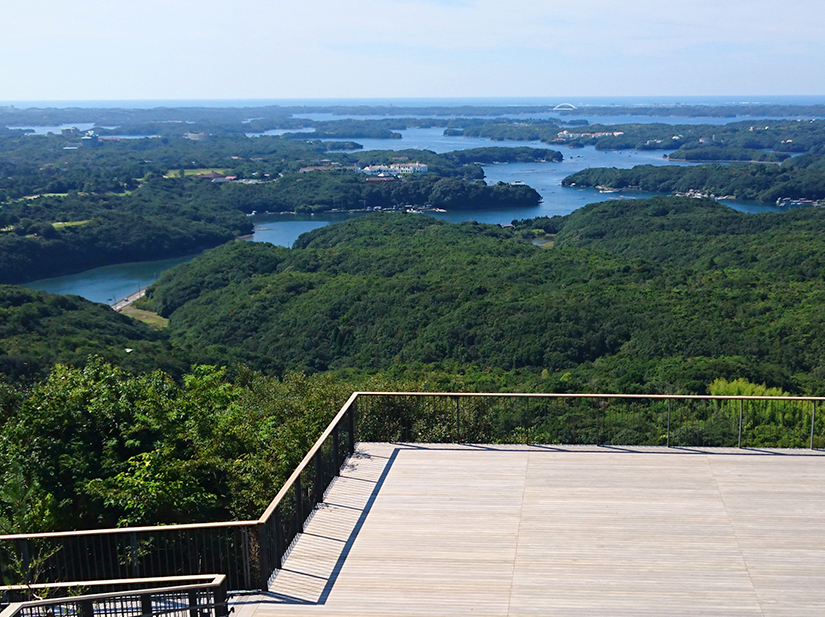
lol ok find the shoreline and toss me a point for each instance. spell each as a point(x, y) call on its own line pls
point(129, 300)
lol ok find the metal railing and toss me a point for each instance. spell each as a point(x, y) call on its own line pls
point(593, 419)
point(135, 598)
point(249, 552)
point(294, 504)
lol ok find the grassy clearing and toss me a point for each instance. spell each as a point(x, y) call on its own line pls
point(175, 173)
point(70, 224)
point(147, 317)
point(546, 241)
point(39, 195)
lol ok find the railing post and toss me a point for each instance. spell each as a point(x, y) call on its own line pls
point(146, 604)
point(319, 477)
point(457, 419)
point(193, 603)
point(264, 560)
point(668, 423)
point(813, 422)
point(221, 607)
point(336, 448)
point(351, 425)
point(85, 608)
point(299, 505)
point(739, 445)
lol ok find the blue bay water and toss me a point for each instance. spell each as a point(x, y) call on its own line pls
point(109, 284)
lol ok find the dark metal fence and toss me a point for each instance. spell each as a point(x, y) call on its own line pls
point(206, 598)
point(134, 552)
point(592, 419)
point(286, 516)
point(249, 552)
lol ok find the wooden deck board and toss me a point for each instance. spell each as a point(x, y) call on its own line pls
point(520, 530)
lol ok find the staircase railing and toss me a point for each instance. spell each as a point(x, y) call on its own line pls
point(139, 598)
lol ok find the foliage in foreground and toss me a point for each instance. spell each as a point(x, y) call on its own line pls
point(96, 447)
point(99, 447)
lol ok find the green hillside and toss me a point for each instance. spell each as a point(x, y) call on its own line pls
point(657, 295)
point(39, 329)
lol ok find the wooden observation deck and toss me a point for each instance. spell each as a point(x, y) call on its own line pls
point(445, 529)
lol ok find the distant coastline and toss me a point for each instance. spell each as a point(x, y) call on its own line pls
point(755, 99)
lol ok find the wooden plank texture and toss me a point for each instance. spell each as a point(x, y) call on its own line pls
point(429, 529)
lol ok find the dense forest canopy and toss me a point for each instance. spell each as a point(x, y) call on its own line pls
point(38, 330)
point(382, 290)
point(671, 295)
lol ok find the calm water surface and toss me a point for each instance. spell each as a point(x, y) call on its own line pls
point(109, 284)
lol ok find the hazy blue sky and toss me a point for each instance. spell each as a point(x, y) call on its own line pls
point(152, 49)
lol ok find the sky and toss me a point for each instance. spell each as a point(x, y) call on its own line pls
point(264, 49)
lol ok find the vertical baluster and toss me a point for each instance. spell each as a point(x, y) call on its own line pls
point(351, 426)
point(242, 534)
point(279, 539)
point(86, 554)
point(25, 555)
point(209, 537)
point(299, 505)
point(220, 540)
point(336, 449)
point(741, 405)
point(318, 497)
point(133, 548)
point(192, 553)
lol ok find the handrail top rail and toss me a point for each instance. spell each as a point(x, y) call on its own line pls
point(586, 395)
point(112, 581)
point(217, 580)
point(308, 458)
point(123, 530)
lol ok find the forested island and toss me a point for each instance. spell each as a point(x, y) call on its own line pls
point(70, 203)
point(77, 200)
point(266, 117)
point(799, 178)
point(764, 140)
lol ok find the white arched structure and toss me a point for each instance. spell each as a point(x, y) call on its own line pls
point(564, 107)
